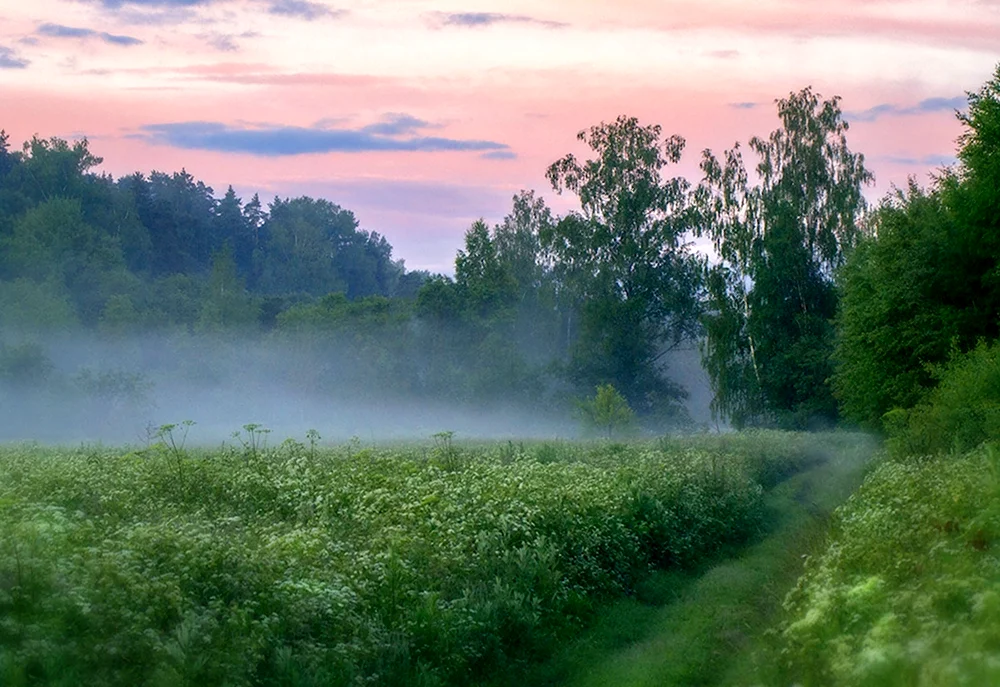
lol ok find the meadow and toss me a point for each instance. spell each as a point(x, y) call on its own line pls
point(426, 564)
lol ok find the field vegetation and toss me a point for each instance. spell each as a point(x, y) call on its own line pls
point(416, 565)
point(907, 591)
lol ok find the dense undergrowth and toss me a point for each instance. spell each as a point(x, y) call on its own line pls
point(908, 592)
point(296, 566)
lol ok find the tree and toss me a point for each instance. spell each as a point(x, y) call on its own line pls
point(314, 247)
point(484, 282)
point(232, 228)
point(622, 262)
point(26, 305)
point(771, 297)
point(926, 284)
point(179, 213)
point(607, 411)
point(8, 160)
point(539, 316)
point(11, 200)
point(55, 168)
point(519, 248)
point(365, 262)
point(978, 154)
point(227, 306)
point(53, 243)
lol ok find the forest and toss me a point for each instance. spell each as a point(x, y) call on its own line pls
point(853, 345)
point(800, 313)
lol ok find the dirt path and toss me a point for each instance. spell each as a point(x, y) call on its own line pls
point(709, 627)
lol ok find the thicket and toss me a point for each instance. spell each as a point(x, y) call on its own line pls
point(959, 414)
point(298, 565)
point(908, 592)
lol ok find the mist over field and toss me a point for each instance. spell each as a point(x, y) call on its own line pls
point(85, 388)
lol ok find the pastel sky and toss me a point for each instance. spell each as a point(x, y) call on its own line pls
point(424, 115)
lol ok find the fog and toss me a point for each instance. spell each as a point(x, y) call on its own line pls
point(86, 389)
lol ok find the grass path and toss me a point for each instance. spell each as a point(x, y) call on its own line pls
point(708, 627)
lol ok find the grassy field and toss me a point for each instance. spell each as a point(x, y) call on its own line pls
point(421, 565)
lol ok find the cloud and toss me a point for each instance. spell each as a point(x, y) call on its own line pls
point(156, 4)
point(60, 31)
point(939, 160)
point(154, 12)
point(394, 124)
point(925, 161)
point(302, 9)
point(260, 74)
point(478, 19)
point(942, 104)
point(923, 107)
point(724, 54)
point(10, 60)
point(808, 20)
point(226, 42)
point(176, 11)
point(499, 155)
point(280, 141)
point(743, 106)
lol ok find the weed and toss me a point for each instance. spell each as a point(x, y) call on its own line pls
point(174, 445)
point(253, 439)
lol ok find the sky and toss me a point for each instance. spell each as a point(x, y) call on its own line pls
point(422, 116)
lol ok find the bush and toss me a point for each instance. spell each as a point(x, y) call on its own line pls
point(962, 412)
point(908, 591)
point(24, 364)
point(607, 412)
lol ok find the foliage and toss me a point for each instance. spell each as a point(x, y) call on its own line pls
point(624, 260)
point(960, 413)
point(24, 364)
point(927, 281)
point(898, 309)
point(102, 240)
point(771, 296)
point(907, 592)
point(607, 412)
point(26, 305)
point(226, 305)
point(298, 565)
point(980, 169)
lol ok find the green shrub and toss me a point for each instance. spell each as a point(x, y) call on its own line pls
point(24, 364)
point(959, 414)
point(607, 412)
point(908, 591)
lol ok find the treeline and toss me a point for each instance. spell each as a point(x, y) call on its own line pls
point(813, 308)
point(98, 246)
